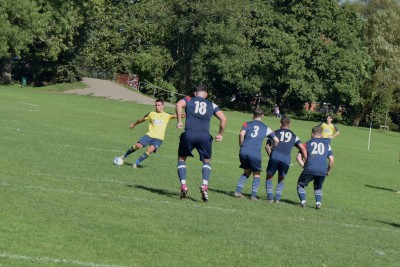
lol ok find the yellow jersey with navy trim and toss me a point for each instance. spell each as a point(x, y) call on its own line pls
point(328, 129)
point(158, 123)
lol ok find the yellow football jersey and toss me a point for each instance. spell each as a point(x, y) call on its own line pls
point(328, 129)
point(158, 124)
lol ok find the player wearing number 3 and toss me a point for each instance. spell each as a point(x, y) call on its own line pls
point(316, 167)
point(199, 112)
point(279, 158)
point(251, 138)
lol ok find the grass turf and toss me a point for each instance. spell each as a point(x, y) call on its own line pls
point(64, 203)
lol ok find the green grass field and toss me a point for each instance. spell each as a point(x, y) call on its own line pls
point(63, 202)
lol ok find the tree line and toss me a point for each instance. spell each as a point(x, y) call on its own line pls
point(284, 52)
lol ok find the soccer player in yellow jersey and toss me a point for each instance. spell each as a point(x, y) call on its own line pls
point(329, 130)
point(158, 121)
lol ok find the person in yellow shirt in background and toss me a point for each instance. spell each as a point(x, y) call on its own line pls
point(329, 130)
point(158, 121)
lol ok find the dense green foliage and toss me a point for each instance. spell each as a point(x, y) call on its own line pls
point(63, 203)
point(282, 52)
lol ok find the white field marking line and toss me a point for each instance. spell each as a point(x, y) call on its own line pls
point(53, 260)
point(125, 198)
point(119, 151)
point(194, 205)
point(77, 178)
point(9, 120)
point(25, 103)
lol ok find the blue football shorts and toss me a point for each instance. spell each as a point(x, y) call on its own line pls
point(277, 165)
point(201, 142)
point(250, 162)
point(147, 140)
point(305, 179)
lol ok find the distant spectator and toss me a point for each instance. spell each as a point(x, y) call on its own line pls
point(276, 111)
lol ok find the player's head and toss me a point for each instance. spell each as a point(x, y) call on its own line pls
point(258, 112)
point(316, 132)
point(329, 118)
point(159, 105)
point(201, 90)
point(285, 122)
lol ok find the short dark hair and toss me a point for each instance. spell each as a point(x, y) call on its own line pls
point(285, 121)
point(201, 88)
point(258, 112)
point(317, 130)
point(160, 100)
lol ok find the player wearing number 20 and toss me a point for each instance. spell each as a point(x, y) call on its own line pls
point(199, 112)
point(279, 158)
point(316, 167)
point(251, 138)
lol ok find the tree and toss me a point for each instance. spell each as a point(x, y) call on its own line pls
point(381, 92)
point(20, 23)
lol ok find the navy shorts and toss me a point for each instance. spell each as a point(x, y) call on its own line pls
point(277, 165)
point(249, 162)
point(147, 140)
point(201, 142)
point(305, 179)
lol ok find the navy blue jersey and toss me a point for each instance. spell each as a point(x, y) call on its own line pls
point(318, 150)
point(287, 140)
point(256, 131)
point(198, 114)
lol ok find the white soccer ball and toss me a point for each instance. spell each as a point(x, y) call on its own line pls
point(118, 161)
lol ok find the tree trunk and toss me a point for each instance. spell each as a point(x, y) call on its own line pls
point(5, 69)
point(361, 116)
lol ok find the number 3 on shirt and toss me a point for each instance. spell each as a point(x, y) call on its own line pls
point(201, 107)
point(255, 133)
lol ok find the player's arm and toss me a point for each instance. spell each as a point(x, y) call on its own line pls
point(300, 160)
point(241, 137)
point(222, 124)
point(268, 146)
point(336, 132)
point(179, 111)
point(302, 150)
point(331, 161)
point(137, 122)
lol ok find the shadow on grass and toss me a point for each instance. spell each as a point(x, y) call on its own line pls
point(397, 225)
point(290, 202)
point(380, 188)
point(130, 165)
point(162, 192)
point(228, 193)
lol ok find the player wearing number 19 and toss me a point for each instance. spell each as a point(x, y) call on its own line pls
point(250, 141)
point(316, 166)
point(199, 112)
point(279, 158)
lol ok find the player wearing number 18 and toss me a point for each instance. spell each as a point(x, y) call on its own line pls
point(199, 112)
point(316, 167)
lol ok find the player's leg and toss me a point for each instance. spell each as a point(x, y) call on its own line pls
point(255, 185)
point(145, 155)
point(302, 182)
point(243, 178)
point(318, 181)
point(132, 149)
point(184, 150)
point(271, 170)
point(153, 143)
point(282, 171)
point(182, 176)
point(203, 145)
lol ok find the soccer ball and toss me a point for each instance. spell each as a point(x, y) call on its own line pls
point(118, 161)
